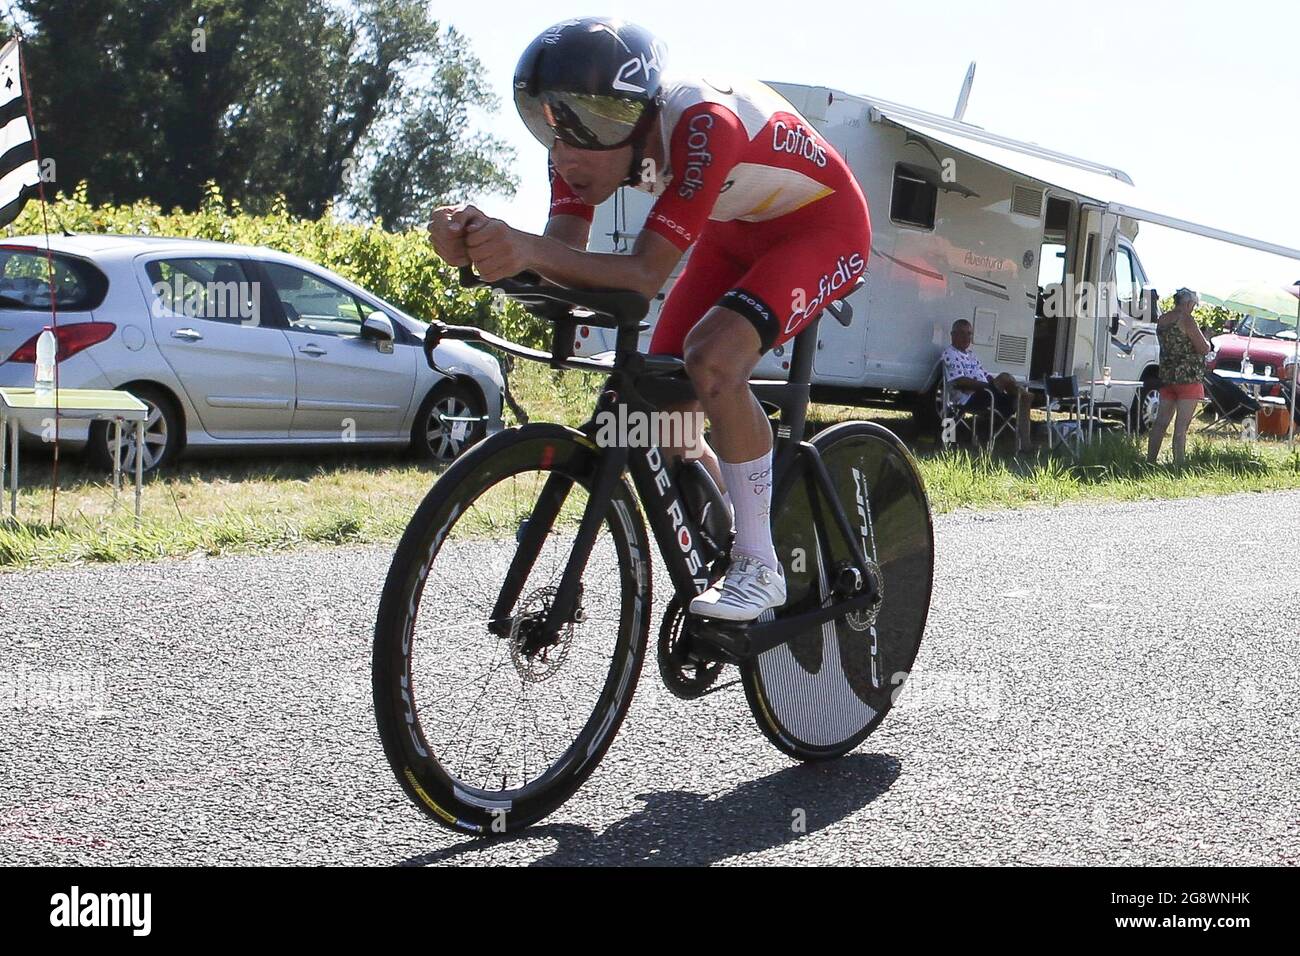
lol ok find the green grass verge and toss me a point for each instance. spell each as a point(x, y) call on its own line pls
point(263, 504)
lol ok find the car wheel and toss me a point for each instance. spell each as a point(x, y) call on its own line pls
point(450, 421)
point(163, 435)
point(1146, 405)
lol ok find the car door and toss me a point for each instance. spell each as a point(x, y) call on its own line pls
point(348, 387)
point(229, 353)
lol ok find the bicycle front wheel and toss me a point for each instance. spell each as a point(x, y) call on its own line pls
point(488, 722)
point(820, 694)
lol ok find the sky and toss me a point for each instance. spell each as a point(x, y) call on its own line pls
point(1196, 101)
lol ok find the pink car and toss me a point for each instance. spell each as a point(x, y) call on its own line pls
point(1267, 341)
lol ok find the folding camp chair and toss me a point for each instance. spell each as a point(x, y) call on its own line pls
point(1063, 398)
point(972, 422)
point(1229, 403)
point(1110, 413)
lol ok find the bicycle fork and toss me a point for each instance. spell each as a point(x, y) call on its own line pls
point(532, 536)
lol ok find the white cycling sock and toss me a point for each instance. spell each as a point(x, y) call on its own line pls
point(750, 485)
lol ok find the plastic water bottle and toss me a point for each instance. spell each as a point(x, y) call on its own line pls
point(45, 363)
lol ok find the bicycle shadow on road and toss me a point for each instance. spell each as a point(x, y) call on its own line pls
point(682, 828)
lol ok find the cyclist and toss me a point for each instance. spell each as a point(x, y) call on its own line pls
point(778, 225)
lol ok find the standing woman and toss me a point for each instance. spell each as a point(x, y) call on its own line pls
point(1182, 365)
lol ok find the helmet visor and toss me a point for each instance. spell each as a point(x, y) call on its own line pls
point(583, 120)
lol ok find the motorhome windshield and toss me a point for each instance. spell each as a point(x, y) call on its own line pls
point(1270, 328)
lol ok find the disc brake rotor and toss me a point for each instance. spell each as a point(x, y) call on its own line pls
point(539, 664)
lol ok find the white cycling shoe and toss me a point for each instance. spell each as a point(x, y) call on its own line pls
point(747, 590)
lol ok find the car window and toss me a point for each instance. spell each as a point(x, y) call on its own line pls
point(208, 289)
point(313, 305)
point(25, 282)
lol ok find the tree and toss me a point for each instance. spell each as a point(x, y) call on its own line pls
point(150, 99)
point(431, 154)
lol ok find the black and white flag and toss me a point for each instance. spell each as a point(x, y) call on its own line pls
point(19, 174)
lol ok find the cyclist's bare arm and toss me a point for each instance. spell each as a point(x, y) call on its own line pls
point(645, 270)
point(447, 231)
point(498, 251)
point(573, 231)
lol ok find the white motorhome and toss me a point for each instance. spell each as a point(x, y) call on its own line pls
point(967, 224)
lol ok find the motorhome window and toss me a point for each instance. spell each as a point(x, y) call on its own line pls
point(1051, 264)
point(1124, 275)
point(1056, 225)
point(914, 200)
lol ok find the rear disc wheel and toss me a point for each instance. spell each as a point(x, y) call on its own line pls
point(821, 694)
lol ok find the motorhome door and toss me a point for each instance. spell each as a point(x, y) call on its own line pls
point(1053, 316)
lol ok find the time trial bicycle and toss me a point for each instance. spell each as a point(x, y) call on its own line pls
point(516, 614)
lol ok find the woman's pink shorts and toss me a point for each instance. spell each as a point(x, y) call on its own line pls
point(1176, 393)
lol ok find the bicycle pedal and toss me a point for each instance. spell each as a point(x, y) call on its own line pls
point(729, 639)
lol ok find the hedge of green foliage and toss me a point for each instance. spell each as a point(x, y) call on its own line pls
point(1213, 319)
point(398, 267)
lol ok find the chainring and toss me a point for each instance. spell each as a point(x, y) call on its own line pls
point(684, 674)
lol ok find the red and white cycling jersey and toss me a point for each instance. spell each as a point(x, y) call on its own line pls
point(781, 225)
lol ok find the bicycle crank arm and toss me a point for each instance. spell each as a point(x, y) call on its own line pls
point(742, 642)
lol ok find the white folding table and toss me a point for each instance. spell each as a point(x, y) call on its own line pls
point(19, 406)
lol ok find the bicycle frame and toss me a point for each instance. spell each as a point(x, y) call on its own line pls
point(674, 530)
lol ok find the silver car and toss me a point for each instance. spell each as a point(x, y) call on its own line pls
point(236, 347)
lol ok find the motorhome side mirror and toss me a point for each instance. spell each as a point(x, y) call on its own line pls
point(378, 328)
point(1152, 305)
point(1114, 325)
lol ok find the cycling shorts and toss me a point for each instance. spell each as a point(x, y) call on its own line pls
point(779, 274)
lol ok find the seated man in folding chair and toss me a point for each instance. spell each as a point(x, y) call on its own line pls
point(970, 386)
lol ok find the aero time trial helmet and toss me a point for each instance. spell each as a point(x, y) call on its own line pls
point(593, 83)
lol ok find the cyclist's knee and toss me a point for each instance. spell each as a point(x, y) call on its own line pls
point(714, 367)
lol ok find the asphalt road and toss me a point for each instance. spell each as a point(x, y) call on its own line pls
point(1111, 685)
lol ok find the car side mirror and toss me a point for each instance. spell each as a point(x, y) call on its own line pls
point(378, 328)
point(1230, 325)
